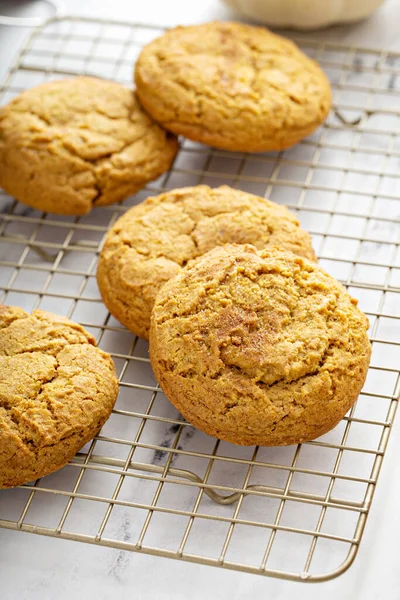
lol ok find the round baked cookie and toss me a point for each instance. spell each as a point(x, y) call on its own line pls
point(259, 347)
point(153, 241)
point(67, 146)
point(232, 86)
point(56, 391)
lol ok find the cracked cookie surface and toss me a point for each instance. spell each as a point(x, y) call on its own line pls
point(232, 86)
point(69, 145)
point(152, 241)
point(258, 347)
point(57, 389)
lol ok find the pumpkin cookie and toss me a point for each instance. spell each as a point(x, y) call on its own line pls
point(232, 86)
point(258, 347)
point(57, 389)
point(70, 145)
point(155, 239)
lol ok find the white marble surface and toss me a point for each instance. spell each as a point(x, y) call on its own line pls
point(33, 567)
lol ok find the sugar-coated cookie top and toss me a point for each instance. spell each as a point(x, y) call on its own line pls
point(271, 346)
point(234, 86)
point(153, 240)
point(55, 386)
point(67, 146)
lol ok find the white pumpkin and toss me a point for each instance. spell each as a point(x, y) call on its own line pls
point(305, 14)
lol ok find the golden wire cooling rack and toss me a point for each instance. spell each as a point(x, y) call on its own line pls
point(150, 482)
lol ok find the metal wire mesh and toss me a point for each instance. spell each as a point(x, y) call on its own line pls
point(150, 482)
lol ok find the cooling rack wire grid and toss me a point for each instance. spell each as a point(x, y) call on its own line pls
point(150, 482)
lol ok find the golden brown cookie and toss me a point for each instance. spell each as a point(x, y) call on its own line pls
point(232, 86)
point(258, 347)
point(57, 389)
point(70, 145)
point(154, 240)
